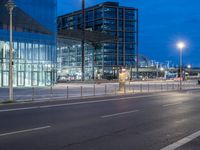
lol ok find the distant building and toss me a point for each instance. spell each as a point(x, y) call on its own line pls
point(34, 43)
point(108, 18)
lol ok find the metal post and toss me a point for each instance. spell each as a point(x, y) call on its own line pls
point(67, 93)
point(140, 87)
point(124, 89)
point(10, 6)
point(167, 87)
point(94, 90)
point(93, 78)
point(81, 91)
point(33, 93)
point(105, 89)
point(137, 44)
point(51, 91)
point(115, 90)
point(83, 41)
point(181, 68)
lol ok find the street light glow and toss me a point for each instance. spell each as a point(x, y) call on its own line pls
point(189, 66)
point(181, 45)
point(162, 69)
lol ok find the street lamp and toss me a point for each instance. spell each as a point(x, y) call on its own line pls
point(181, 45)
point(189, 66)
point(10, 6)
point(83, 41)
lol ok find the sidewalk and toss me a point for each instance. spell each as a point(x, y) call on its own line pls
point(74, 90)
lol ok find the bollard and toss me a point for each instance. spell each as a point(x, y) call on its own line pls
point(141, 88)
point(67, 93)
point(81, 91)
point(167, 87)
point(33, 93)
point(173, 86)
point(133, 90)
point(124, 89)
point(105, 89)
point(51, 91)
point(161, 87)
point(94, 90)
point(115, 90)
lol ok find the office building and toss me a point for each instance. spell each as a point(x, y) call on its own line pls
point(34, 43)
point(119, 22)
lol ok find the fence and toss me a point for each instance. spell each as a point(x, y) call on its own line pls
point(87, 90)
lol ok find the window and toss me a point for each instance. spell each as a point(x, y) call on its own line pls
point(110, 12)
point(98, 13)
point(129, 14)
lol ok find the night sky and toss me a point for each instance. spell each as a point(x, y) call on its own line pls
point(162, 24)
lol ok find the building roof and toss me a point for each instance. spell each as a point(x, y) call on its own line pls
point(111, 4)
point(21, 20)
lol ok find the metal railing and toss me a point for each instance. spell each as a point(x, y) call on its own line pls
point(67, 92)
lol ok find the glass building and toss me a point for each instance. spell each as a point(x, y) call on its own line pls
point(70, 59)
point(34, 43)
point(117, 21)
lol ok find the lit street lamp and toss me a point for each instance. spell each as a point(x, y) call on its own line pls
point(181, 45)
point(189, 66)
point(10, 6)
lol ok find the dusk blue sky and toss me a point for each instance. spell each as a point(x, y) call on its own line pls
point(162, 24)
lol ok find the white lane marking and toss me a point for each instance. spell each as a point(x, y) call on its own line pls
point(77, 103)
point(23, 131)
point(118, 114)
point(182, 141)
point(172, 104)
point(17, 109)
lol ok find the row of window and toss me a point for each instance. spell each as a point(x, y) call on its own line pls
point(107, 12)
point(27, 78)
point(28, 51)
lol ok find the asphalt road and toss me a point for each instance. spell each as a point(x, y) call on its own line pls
point(132, 122)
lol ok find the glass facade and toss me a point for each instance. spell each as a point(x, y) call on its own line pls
point(112, 19)
point(34, 43)
point(69, 59)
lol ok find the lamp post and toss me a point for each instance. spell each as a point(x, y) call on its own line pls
point(137, 44)
point(83, 41)
point(181, 45)
point(10, 6)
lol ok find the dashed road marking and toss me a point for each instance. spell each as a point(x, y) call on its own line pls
point(119, 114)
point(172, 104)
point(24, 131)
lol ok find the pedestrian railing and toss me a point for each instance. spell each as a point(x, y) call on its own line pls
point(67, 92)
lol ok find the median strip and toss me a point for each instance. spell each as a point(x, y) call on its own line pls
point(24, 131)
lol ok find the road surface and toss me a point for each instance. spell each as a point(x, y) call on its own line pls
point(154, 121)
